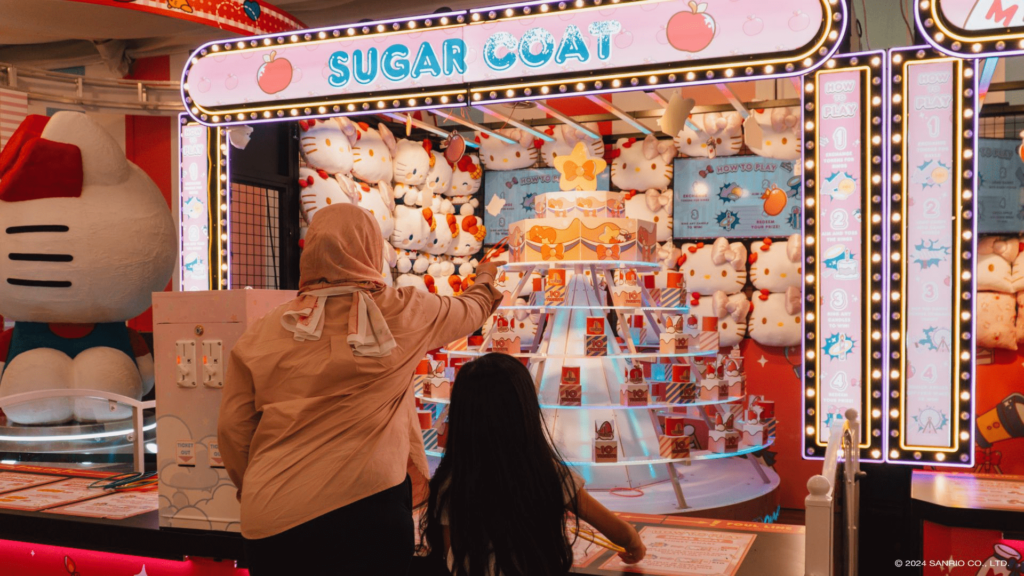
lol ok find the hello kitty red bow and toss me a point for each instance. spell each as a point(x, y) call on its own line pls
point(657, 200)
point(32, 167)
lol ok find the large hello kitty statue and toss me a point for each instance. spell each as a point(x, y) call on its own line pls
point(96, 239)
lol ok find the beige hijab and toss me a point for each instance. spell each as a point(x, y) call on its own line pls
point(342, 255)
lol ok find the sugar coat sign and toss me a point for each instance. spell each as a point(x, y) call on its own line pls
point(521, 51)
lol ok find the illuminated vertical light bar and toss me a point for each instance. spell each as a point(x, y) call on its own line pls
point(844, 249)
point(931, 364)
point(197, 205)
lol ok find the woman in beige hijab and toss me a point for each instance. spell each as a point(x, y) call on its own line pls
point(318, 424)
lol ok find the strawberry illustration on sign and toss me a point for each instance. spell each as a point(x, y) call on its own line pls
point(275, 74)
point(691, 31)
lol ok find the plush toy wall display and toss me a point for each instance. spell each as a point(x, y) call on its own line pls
point(498, 155)
point(469, 241)
point(721, 134)
point(327, 144)
point(775, 318)
point(996, 256)
point(411, 262)
point(566, 138)
point(997, 317)
point(412, 227)
point(780, 131)
point(731, 312)
point(318, 190)
point(776, 265)
point(708, 269)
point(652, 206)
point(467, 175)
point(413, 280)
point(412, 164)
point(379, 201)
point(69, 329)
point(373, 154)
point(642, 164)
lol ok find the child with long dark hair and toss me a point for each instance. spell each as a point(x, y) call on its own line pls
point(500, 498)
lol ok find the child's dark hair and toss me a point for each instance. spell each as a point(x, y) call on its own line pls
point(501, 481)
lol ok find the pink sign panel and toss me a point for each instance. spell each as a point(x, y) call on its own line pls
point(983, 14)
point(841, 244)
point(928, 397)
point(194, 214)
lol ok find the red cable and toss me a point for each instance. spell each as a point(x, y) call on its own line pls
point(616, 492)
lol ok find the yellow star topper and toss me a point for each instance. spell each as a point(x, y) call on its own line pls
point(579, 170)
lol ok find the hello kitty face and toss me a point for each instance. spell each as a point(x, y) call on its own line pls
point(444, 234)
point(731, 312)
point(653, 206)
point(642, 165)
point(470, 239)
point(412, 162)
point(373, 154)
point(996, 325)
point(466, 176)
point(318, 190)
point(780, 129)
point(412, 228)
point(996, 255)
point(775, 266)
point(439, 178)
point(114, 228)
point(775, 318)
point(498, 155)
point(380, 203)
point(566, 138)
point(720, 134)
point(327, 144)
point(719, 267)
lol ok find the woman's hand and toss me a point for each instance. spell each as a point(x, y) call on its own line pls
point(635, 549)
point(487, 269)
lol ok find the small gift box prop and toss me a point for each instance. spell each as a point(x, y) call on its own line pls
point(505, 340)
point(570, 395)
point(711, 387)
point(752, 432)
point(657, 371)
point(441, 427)
point(674, 393)
point(430, 439)
point(438, 383)
point(442, 357)
point(586, 203)
point(731, 368)
point(606, 445)
point(650, 284)
point(475, 341)
point(767, 409)
point(672, 339)
point(657, 391)
point(570, 375)
point(633, 394)
point(682, 373)
point(675, 425)
point(626, 291)
point(672, 297)
point(674, 446)
point(456, 363)
point(637, 328)
point(596, 341)
point(426, 418)
point(570, 238)
point(554, 290)
point(708, 339)
point(724, 439)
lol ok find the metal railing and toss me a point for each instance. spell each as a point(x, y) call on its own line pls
point(828, 552)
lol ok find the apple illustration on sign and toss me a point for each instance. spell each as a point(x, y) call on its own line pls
point(275, 74)
point(691, 31)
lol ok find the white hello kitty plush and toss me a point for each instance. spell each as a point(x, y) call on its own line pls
point(997, 320)
point(439, 184)
point(327, 144)
point(775, 266)
point(996, 255)
point(390, 261)
point(445, 232)
point(96, 239)
point(708, 269)
point(318, 190)
point(467, 175)
point(780, 131)
point(412, 164)
point(379, 200)
point(720, 134)
point(566, 137)
point(412, 227)
point(1017, 275)
point(652, 206)
point(411, 262)
point(373, 154)
point(775, 318)
point(498, 155)
point(413, 280)
point(731, 312)
point(642, 165)
point(469, 241)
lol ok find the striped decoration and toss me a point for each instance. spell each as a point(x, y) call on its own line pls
point(430, 439)
point(671, 297)
point(674, 393)
point(13, 109)
point(769, 427)
point(417, 383)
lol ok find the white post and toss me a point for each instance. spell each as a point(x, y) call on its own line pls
point(819, 527)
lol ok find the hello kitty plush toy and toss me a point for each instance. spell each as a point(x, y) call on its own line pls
point(996, 255)
point(412, 227)
point(373, 154)
point(469, 241)
point(443, 236)
point(412, 164)
point(318, 190)
point(414, 280)
point(642, 165)
point(98, 239)
point(775, 318)
point(775, 266)
point(780, 133)
point(467, 176)
point(379, 201)
point(720, 134)
point(411, 262)
point(652, 206)
point(439, 184)
point(498, 155)
point(708, 269)
point(327, 144)
point(731, 312)
point(565, 139)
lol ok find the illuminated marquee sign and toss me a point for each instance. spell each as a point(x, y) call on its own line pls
point(844, 104)
point(203, 192)
point(973, 28)
point(931, 365)
point(524, 51)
